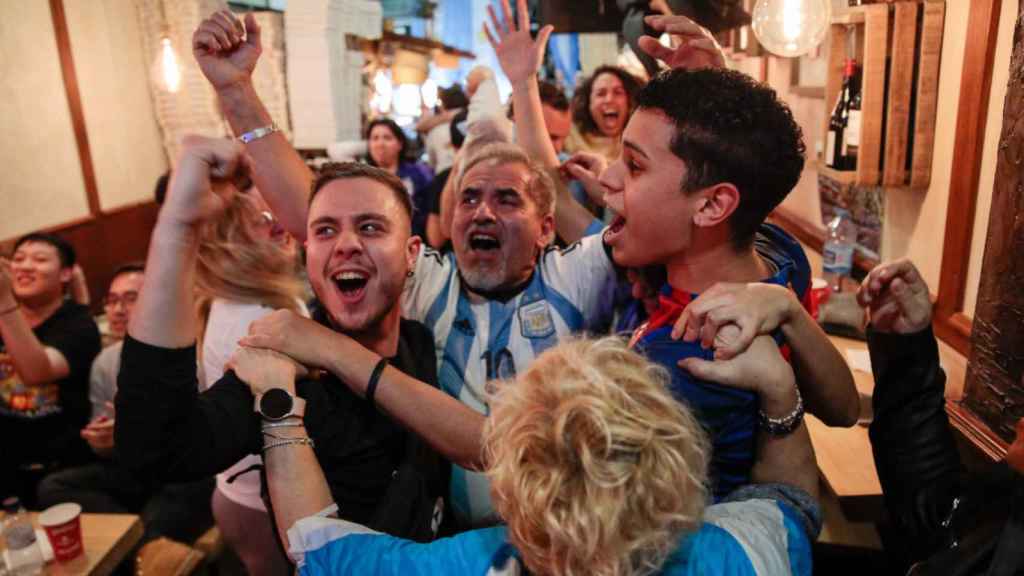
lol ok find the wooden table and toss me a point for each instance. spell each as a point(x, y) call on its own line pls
point(107, 538)
point(850, 485)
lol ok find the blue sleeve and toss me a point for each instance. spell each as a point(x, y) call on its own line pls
point(373, 553)
point(716, 553)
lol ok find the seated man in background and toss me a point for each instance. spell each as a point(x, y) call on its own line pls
point(595, 468)
point(180, 512)
point(944, 520)
point(47, 344)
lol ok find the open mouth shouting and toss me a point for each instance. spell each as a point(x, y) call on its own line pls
point(351, 284)
point(610, 119)
point(485, 243)
point(615, 229)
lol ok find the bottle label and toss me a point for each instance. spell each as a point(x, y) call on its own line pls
point(853, 129)
point(830, 148)
point(837, 258)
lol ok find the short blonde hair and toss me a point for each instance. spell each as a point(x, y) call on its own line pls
point(540, 187)
point(594, 466)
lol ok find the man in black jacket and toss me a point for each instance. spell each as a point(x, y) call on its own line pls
point(358, 256)
point(946, 522)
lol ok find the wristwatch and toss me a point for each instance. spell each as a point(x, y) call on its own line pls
point(277, 404)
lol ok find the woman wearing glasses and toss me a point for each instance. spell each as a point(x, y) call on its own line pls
point(247, 268)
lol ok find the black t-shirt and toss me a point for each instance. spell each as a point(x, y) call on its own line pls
point(47, 419)
point(72, 331)
point(168, 430)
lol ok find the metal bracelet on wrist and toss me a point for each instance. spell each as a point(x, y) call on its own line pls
point(287, 423)
point(288, 442)
point(788, 423)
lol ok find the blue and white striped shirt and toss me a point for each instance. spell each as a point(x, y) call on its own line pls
point(571, 291)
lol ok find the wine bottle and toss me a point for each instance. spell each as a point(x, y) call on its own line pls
point(836, 154)
point(853, 120)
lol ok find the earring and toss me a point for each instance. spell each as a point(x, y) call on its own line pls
point(410, 274)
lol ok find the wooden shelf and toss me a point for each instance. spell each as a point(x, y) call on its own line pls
point(899, 47)
point(854, 16)
point(841, 176)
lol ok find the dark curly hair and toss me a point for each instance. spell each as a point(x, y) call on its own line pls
point(730, 128)
point(581, 99)
point(395, 129)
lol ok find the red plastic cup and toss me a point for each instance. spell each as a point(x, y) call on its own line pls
point(820, 292)
point(63, 527)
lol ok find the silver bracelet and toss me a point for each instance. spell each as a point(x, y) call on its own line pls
point(297, 441)
point(788, 423)
point(283, 424)
point(257, 133)
point(270, 434)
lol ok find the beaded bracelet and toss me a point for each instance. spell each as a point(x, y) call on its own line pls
point(785, 425)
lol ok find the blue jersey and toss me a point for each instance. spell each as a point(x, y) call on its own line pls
point(756, 536)
point(477, 341)
point(727, 413)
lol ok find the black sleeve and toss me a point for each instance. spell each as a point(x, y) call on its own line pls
point(78, 340)
point(165, 429)
point(915, 454)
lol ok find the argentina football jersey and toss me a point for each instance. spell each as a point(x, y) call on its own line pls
point(479, 340)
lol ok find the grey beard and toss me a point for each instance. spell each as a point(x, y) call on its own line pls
point(484, 279)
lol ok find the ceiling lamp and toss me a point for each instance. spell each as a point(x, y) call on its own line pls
point(791, 27)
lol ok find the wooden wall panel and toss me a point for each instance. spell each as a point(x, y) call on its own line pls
point(105, 242)
point(995, 376)
point(976, 85)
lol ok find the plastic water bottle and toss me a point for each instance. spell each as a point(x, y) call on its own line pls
point(23, 557)
point(837, 255)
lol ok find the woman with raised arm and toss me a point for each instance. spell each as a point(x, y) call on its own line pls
point(247, 268)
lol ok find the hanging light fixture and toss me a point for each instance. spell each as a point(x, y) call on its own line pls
point(169, 71)
point(791, 27)
point(166, 67)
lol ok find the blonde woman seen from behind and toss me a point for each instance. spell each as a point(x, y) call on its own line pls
point(595, 469)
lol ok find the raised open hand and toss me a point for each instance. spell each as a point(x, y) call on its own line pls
point(520, 55)
point(696, 46)
point(225, 50)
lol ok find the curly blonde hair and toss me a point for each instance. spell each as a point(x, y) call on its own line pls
point(594, 466)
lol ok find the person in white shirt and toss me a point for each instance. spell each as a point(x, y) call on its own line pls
point(246, 269)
